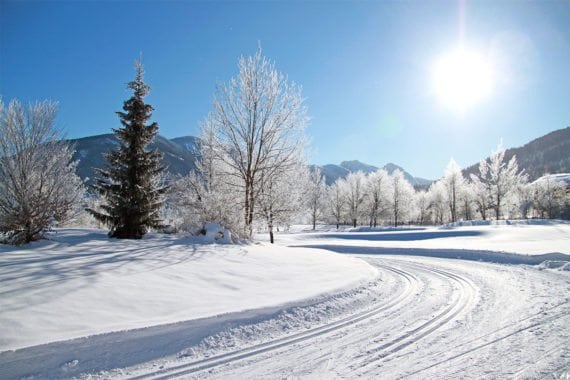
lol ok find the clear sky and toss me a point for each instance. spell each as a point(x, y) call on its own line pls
point(367, 68)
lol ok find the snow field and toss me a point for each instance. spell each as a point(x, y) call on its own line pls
point(412, 315)
point(80, 283)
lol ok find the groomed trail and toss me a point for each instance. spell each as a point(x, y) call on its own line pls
point(464, 313)
point(440, 320)
point(423, 317)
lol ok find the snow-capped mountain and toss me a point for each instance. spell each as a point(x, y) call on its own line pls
point(333, 172)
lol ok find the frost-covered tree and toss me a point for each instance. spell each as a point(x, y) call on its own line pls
point(377, 188)
point(258, 120)
point(422, 204)
point(131, 183)
point(524, 199)
point(498, 179)
point(336, 201)
point(315, 195)
point(480, 192)
point(437, 202)
point(454, 183)
point(401, 195)
point(38, 183)
point(207, 194)
point(355, 184)
point(281, 198)
point(549, 195)
point(466, 202)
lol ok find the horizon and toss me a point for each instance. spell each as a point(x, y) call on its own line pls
point(366, 70)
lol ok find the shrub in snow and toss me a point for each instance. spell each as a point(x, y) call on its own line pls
point(214, 233)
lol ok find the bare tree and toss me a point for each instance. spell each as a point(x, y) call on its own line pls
point(38, 183)
point(422, 206)
point(402, 194)
point(281, 198)
point(258, 122)
point(437, 202)
point(498, 179)
point(355, 194)
point(377, 190)
point(315, 193)
point(549, 196)
point(336, 199)
point(454, 182)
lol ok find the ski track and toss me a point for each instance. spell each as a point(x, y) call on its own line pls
point(204, 364)
point(436, 325)
point(427, 318)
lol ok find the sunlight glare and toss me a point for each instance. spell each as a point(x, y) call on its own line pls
point(462, 79)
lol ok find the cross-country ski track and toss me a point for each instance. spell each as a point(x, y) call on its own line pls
point(444, 320)
point(426, 313)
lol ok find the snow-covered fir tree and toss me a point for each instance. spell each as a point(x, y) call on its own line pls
point(131, 183)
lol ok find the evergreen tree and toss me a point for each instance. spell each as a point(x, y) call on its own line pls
point(130, 184)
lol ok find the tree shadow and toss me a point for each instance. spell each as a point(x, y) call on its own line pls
point(403, 235)
point(73, 263)
point(446, 253)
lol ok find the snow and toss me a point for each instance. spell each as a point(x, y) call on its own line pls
point(396, 303)
point(82, 283)
point(560, 177)
point(525, 237)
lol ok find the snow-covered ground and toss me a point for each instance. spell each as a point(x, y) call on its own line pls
point(394, 303)
point(81, 283)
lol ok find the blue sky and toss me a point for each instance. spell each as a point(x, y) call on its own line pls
point(365, 68)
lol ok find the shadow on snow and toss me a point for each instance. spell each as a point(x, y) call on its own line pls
point(446, 253)
point(404, 235)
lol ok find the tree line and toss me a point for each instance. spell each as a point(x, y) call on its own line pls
point(251, 173)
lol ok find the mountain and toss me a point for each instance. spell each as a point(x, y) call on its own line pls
point(333, 172)
point(549, 154)
point(179, 155)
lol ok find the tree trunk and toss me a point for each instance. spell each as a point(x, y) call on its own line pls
point(271, 240)
point(354, 223)
point(246, 211)
point(498, 210)
point(314, 220)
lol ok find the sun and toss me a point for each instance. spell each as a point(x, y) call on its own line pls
point(462, 79)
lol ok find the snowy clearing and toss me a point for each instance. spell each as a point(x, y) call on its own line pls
point(376, 311)
point(80, 283)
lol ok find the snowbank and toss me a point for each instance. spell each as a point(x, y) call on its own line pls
point(82, 283)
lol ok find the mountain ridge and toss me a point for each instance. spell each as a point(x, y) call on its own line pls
point(548, 154)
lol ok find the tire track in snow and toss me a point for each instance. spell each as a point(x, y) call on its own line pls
point(411, 284)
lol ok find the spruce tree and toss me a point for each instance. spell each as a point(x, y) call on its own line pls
point(130, 184)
